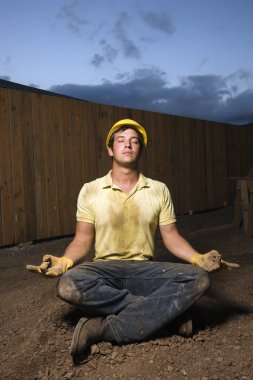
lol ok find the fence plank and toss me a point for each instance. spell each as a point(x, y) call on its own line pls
point(17, 166)
point(26, 119)
point(7, 227)
point(39, 166)
point(50, 166)
point(70, 177)
point(59, 168)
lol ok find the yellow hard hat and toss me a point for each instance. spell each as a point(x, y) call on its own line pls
point(126, 122)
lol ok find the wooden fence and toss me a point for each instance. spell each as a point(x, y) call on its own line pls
point(50, 145)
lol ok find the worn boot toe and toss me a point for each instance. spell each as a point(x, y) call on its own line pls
point(86, 333)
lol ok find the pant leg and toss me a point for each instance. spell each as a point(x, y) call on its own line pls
point(138, 298)
point(167, 291)
point(96, 288)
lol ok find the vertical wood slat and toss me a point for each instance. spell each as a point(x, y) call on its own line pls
point(26, 118)
point(7, 228)
point(70, 175)
point(18, 166)
point(78, 146)
point(104, 113)
point(87, 148)
point(59, 167)
point(51, 145)
point(50, 166)
point(39, 167)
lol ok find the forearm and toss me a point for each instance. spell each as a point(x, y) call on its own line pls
point(176, 244)
point(81, 244)
point(77, 250)
point(180, 248)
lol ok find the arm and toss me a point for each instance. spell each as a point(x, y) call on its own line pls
point(53, 266)
point(81, 244)
point(176, 244)
point(180, 248)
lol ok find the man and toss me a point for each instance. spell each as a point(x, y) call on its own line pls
point(125, 295)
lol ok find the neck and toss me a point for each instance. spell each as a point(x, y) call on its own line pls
point(125, 178)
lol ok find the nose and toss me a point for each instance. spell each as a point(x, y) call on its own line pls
point(128, 144)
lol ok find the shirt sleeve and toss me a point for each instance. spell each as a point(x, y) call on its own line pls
point(84, 212)
point(167, 214)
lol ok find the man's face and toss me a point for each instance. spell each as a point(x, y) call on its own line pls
point(126, 147)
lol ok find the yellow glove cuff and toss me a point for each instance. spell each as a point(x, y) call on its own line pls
point(68, 261)
point(195, 258)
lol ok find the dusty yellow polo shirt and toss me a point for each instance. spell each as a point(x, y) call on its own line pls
point(125, 224)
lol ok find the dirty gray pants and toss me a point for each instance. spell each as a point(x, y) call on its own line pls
point(136, 297)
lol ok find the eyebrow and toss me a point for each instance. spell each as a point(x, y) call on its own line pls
point(120, 136)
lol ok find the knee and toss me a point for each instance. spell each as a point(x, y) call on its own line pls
point(203, 281)
point(66, 288)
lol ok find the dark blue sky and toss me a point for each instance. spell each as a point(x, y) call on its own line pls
point(184, 57)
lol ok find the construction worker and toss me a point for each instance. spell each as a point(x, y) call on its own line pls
point(124, 294)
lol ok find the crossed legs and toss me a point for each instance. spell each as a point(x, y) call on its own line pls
point(135, 298)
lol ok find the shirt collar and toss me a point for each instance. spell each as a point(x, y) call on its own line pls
point(107, 182)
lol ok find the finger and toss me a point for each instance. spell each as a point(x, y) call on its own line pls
point(213, 268)
point(215, 255)
point(44, 266)
point(33, 268)
point(230, 265)
point(52, 273)
point(47, 258)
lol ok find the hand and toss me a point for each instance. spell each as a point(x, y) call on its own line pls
point(209, 261)
point(52, 266)
point(229, 265)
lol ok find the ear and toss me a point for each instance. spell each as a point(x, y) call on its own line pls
point(110, 152)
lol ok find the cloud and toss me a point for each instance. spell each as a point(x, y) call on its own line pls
point(69, 14)
point(202, 64)
point(97, 60)
point(108, 54)
point(7, 61)
point(5, 77)
point(207, 97)
point(159, 21)
point(130, 50)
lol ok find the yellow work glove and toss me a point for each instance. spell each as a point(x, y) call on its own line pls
point(52, 266)
point(209, 261)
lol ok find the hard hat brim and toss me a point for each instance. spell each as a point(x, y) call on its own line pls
point(126, 122)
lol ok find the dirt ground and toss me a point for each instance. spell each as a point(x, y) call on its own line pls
point(36, 326)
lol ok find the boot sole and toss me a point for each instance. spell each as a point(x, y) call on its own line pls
point(76, 334)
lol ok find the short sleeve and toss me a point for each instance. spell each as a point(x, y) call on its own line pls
point(84, 212)
point(167, 214)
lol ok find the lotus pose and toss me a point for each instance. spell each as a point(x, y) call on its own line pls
point(124, 294)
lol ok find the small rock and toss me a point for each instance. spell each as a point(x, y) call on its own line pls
point(169, 368)
point(114, 354)
point(94, 349)
point(184, 372)
point(68, 375)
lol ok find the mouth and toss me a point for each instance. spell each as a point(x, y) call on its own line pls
point(128, 153)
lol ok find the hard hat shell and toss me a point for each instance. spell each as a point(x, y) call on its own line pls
point(126, 122)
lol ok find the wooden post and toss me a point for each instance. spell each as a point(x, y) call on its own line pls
point(244, 204)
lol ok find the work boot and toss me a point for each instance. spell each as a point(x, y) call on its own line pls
point(89, 332)
point(185, 329)
point(184, 324)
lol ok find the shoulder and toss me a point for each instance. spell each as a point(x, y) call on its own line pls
point(152, 183)
point(94, 186)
